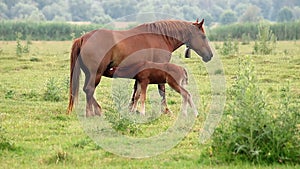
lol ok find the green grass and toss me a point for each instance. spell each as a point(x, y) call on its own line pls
point(37, 134)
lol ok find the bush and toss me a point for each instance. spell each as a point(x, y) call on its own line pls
point(266, 40)
point(55, 91)
point(20, 49)
point(43, 30)
point(283, 31)
point(229, 47)
point(251, 130)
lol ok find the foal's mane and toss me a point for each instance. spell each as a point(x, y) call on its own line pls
point(171, 28)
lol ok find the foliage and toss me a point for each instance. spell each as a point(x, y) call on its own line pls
point(245, 39)
point(283, 31)
point(285, 14)
point(91, 11)
point(228, 17)
point(266, 40)
point(252, 14)
point(5, 142)
point(253, 131)
point(229, 47)
point(20, 49)
point(42, 30)
point(43, 136)
point(55, 91)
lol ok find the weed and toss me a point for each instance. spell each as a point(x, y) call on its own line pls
point(53, 91)
point(5, 142)
point(34, 59)
point(32, 94)
point(20, 49)
point(120, 123)
point(246, 39)
point(229, 47)
point(252, 130)
point(266, 40)
point(10, 94)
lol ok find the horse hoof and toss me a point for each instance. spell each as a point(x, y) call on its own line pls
point(167, 111)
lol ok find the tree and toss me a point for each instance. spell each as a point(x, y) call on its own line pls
point(79, 9)
point(119, 8)
point(23, 11)
point(228, 17)
point(56, 12)
point(296, 12)
point(36, 16)
point(252, 14)
point(285, 14)
point(3, 10)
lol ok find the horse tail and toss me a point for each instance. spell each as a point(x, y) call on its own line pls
point(74, 73)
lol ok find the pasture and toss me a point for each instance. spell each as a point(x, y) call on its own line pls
point(37, 133)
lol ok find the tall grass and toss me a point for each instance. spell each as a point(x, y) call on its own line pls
point(43, 30)
point(254, 131)
point(283, 31)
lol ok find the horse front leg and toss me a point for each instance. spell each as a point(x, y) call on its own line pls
point(162, 93)
point(132, 102)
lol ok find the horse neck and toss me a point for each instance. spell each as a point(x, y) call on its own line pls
point(176, 38)
point(174, 33)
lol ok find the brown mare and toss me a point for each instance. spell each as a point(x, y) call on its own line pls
point(155, 73)
point(95, 51)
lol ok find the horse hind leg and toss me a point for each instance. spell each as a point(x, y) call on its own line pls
point(97, 107)
point(184, 93)
point(92, 107)
point(136, 96)
point(162, 93)
point(133, 96)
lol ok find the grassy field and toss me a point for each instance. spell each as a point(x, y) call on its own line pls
point(36, 132)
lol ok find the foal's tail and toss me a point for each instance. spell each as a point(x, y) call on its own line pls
point(74, 73)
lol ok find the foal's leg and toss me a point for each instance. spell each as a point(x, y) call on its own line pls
point(162, 93)
point(144, 85)
point(185, 95)
point(133, 95)
point(136, 96)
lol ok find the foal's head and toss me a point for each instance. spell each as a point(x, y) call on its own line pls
point(198, 41)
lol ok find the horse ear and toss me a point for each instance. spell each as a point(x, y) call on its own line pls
point(201, 23)
point(196, 23)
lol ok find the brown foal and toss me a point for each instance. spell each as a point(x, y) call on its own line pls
point(154, 73)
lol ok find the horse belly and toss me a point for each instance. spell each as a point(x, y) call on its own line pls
point(157, 78)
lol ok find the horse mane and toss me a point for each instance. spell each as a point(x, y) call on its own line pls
point(172, 28)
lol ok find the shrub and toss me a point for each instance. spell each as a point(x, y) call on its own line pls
point(251, 130)
point(54, 91)
point(229, 47)
point(5, 142)
point(266, 40)
point(20, 49)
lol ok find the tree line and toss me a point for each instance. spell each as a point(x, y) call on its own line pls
point(103, 11)
point(66, 31)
